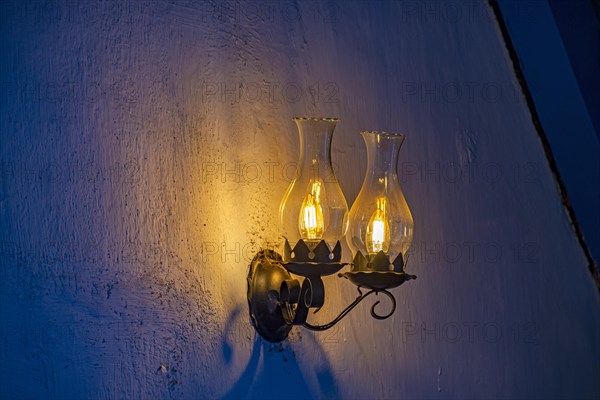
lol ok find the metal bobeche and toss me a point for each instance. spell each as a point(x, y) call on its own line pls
point(377, 262)
point(377, 280)
point(376, 272)
point(321, 253)
point(320, 261)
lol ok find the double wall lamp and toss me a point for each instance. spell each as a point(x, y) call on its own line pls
point(314, 217)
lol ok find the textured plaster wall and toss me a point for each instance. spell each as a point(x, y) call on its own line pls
point(145, 147)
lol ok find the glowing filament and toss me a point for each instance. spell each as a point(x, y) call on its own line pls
point(311, 214)
point(378, 230)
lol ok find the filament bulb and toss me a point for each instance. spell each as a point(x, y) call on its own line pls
point(310, 220)
point(378, 230)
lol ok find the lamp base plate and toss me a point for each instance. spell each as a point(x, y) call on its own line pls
point(264, 281)
point(377, 280)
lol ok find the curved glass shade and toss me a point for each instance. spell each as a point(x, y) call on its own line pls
point(313, 207)
point(380, 219)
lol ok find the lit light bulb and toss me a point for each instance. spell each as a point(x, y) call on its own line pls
point(310, 219)
point(378, 229)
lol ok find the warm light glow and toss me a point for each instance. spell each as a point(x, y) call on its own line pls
point(378, 230)
point(310, 220)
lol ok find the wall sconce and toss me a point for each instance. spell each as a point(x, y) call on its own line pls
point(314, 216)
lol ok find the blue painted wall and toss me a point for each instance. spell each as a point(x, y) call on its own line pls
point(145, 147)
point(557, 48)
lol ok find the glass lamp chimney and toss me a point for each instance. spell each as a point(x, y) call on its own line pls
point(380, 220)
point(314, 207)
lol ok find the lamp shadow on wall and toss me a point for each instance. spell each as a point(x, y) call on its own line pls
point(279, 374)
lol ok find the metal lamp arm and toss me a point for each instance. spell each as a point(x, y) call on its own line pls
point(345, 312)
